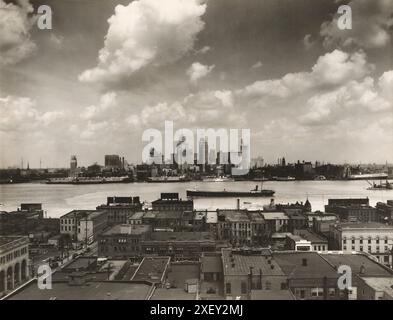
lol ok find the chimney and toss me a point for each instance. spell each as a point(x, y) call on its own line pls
point(362, 269)
point(304, 262)
point(238, 204)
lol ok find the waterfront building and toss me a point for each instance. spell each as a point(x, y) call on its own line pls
point(385, 211)
point(171, 202)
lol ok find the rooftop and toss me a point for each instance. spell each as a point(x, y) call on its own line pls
point(380, 284)
point(90, 291)
point(130, 229)
point(151, 269)
point(235, 263)
point(211, 263)
point(271, 295)
point(137, 215)
point(370, 267)
point(304, 265)
point(181, 236)
point(77, 213)
point(363, 225)
point(10, 242)
point(275, 215)
point(172, 294)
point(310, 236)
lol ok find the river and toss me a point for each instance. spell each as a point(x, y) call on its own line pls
point(60, 199)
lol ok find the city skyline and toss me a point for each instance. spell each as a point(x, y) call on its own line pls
point(305, 90)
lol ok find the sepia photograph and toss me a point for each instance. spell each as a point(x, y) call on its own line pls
point(215, 151)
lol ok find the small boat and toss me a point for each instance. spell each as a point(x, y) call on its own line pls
point(381, 186)
point(320, 178)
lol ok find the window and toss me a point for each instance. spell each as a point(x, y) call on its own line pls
point(244, 287)
point(228, 288)
point(317, 292)
point(284, 286)
point(353, 241)
point(268, 285)
point(361, 241)
point(332, 292)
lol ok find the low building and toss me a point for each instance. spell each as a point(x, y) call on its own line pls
point(249, 270)
point(14, 262)
point(276, 222)
point(361, 265)
point(310, 277)
point(119, 209)
point(385, 211)
point(123, 241)
point(318, 243)
point(179, 245)
point(373, 238)
point(297, 243)
point(83, 225)
point(375, 288)
point(171, 202)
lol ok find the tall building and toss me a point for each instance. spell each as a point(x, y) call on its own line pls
point(73, 165)
point(113, 161)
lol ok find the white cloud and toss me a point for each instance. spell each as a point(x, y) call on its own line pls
point(257, 65)
point(15, 26)
point(21, 114)
point(198, 71)
point(107, 101)
point(203, 50)
point(332, 69)
point(307, 42)
point(146, 33)
point(371, 20)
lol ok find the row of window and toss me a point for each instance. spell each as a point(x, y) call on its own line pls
point(377, 241)
point(369, 248)
point(13, 255)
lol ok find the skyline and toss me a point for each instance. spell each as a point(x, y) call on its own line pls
point(98, 79)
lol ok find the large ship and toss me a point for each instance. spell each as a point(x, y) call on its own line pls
point(87, 180)
point(166, 179)
point(218, 179)
point(225, 193)
point(368, 176)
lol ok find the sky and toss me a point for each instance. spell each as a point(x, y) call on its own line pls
point(109, 70)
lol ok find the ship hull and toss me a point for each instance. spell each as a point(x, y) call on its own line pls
point(224, 194)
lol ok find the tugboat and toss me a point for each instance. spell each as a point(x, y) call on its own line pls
point(225, 193)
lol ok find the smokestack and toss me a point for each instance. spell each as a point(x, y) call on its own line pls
point(238, 204)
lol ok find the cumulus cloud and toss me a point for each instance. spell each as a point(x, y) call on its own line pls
point(146, 33)
point(20, 113)
point(203, 50)
point(107, 101)
point(206, 108)
point(257, 65)
point(307, 42)
point(198, 71)
point(332, 69)
point(15, 26)
point(371, 21)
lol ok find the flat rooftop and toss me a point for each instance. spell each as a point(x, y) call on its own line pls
point(181, 236)
point(310, 236)
point(271, 295)
point(132, 229)
point(151, 269)
point(77, 213)
point(235, 263)
point(274, 215)
point(363, 225)
point(9, 242)
point(380, 284)
point(90, 291)
point(172, 294)
point(211, 263)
